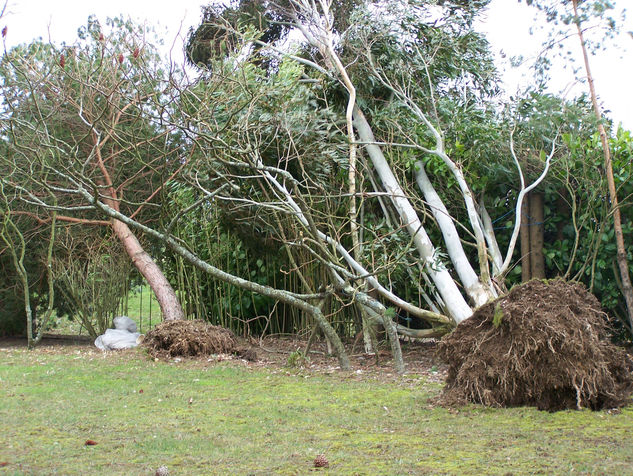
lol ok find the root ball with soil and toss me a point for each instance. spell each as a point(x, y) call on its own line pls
point(543, 344)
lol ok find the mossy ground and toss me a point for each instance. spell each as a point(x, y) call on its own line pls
point(205, 417)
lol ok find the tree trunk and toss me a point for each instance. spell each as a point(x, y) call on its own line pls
point(537, 259)
point(526, 273)
point(456, 305)
point(467, 275)
point(165, 294)
point(627, 287)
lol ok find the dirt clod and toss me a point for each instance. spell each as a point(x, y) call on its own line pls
point(543, 344)
point(188, 339)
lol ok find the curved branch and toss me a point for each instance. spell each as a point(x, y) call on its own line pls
point(524, 191)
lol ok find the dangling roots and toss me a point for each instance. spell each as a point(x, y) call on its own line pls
point(542, 344)
point(189, 338)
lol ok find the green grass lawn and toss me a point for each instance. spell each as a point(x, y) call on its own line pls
point(226, 418)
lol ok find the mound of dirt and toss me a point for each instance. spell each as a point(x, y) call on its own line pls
point(189, 339)
point(542, 344)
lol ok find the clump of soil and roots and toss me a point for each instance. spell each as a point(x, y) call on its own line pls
point(194, 338)
point(544, 344)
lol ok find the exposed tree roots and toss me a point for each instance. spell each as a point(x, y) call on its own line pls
point(192, 338)
point(544, 345)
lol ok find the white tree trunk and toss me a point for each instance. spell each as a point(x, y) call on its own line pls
point(491, 239)
point(467, 275)
point(456, 305)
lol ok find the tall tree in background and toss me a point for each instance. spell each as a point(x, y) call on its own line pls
point(623, 264)
point(564, 14)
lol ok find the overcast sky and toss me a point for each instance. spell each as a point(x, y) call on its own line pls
point(507, 27)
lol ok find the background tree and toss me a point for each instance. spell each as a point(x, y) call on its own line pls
point(573, 17)
point(92, 111)
point(16, 245)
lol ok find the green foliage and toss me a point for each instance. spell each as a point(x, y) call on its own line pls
point(209, 299)
point(585, 248)
point(497, 317)
point(297, 359)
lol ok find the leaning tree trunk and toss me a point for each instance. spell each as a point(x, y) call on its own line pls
point(456, 305)
point(623, 265)
point(165, 294)
point(143, 262)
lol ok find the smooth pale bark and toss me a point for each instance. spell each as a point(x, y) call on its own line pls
point(467, 275)
point(623, 265)
point(439, 151)
point(456, 305)
point(475, 222)
point(520, 199)
point(356, 266)
point(491, 239)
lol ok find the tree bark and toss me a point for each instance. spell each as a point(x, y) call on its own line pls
point(467, 275)
point(165, 294)
point(526, 273)
point(623, 265)
point(537, 259)
point(456, 305)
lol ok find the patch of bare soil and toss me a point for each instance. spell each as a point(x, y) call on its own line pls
point(275, 354)
point(191, 339)
point(49, 340)
point(542, 344)
point(420, 358)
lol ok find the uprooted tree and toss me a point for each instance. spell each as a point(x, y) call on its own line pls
point(92, 124)
point(332, 149)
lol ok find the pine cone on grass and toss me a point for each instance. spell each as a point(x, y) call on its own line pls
point(162, 471)
point(321, 462)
